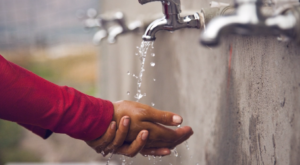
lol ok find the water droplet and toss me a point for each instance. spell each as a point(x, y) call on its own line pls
point(138, 96)
point(154, 79)
point(175, 152)
point(128, 92)
point(137, 47)
point(109, 158)
point(102, 153)
point(149, 158)
point(179, 126)
point(133, 75)
point(187, 145)
point(153, 54)
point(128, 73)
point(152, 104)
point(152, 64)
point(136, 54)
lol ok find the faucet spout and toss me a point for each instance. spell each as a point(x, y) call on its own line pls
point(171, 21)
point(154, 27)
point(245, 21)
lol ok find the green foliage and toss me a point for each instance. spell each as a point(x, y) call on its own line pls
point(10, 134)
point(10, 137)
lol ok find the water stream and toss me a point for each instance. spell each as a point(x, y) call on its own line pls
point(147, 46)
point(143, 49)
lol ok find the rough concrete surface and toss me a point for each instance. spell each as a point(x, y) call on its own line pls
point(244, 106)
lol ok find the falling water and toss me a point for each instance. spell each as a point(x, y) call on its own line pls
point(152, 64)
point(175, 152)
point(187, 145)
point(109, 158)
point(124, 160)
point(143, 49)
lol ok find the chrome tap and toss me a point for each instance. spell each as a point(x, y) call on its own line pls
point(100, 22)
point(110, 27)
point(286, 23)
point(171, 21)
point(122, 28)
point(248, 19)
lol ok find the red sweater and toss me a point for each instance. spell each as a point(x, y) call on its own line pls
point(44, 107)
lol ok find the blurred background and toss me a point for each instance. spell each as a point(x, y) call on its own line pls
point(47, 38)
point(242, 98)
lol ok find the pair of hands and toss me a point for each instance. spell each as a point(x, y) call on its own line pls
point(137, 128)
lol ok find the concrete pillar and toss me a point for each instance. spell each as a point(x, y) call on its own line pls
point(243, 106)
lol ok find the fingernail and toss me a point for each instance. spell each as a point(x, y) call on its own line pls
point(144, 135)
point(112, 125)
point(166, 152)
point(126, 122)
point(177, 119)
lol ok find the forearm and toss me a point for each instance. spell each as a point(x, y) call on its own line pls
point(29, 99)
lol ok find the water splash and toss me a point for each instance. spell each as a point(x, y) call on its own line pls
point(142, 53)
point(152, 104)
point(179, 126)
point(153, 54)
point(152, 64)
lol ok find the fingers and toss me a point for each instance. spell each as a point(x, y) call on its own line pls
point(164, 134)
point(163, 117)
point(185, 133)
point(101, 143)
point(136, 146)
point(120, 135)
point(155, 151)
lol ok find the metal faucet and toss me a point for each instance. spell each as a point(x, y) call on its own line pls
point(286, 23)
point(110, 27)
point(100, 22)
point(171, 21)
point(248, 19)
point(122, 28)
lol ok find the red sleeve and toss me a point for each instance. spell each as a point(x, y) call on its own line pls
point(37, 103)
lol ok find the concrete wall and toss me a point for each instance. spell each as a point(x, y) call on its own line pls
point(244, 106)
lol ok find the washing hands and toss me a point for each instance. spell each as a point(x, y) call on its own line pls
point(138, 128)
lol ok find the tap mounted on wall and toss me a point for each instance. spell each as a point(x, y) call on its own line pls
point(171, 21)
point(249, 19)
